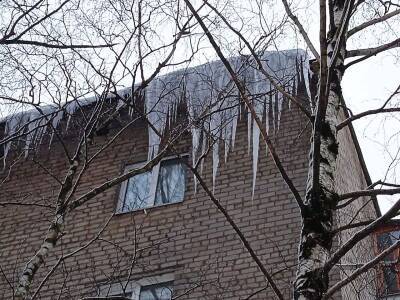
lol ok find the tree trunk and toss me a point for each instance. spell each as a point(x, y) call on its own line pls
point(53, 234)
point(316, 236)
point(26, 278)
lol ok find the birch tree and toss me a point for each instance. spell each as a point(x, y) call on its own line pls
point(119, 43)
point(316, 256)
point(59, 76)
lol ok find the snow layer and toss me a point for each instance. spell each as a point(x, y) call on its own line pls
point(212, 102)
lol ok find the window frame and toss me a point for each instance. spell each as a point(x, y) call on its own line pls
point(382, 292)
point(153, 184)
point(134, 287)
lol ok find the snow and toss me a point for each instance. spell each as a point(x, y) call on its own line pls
point(211, 98)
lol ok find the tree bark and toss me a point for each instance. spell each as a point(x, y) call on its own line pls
point(52, 236)
point(316, 236)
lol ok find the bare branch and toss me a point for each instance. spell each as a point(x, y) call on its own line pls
point(71, 254)
point(301, 29)
point(367, 113)
point(241, 236)
point(369, 52)
point(361, 234)
point(361, 270)
point(382, 109)
point(366, 193)
point(54, 46)
point(41, 20)
point(244, 97)
point(6, 203)
point(23, 15)
point(117, 180)
point(259, 64)
point(372, 22)
point(339, 206)
point(351, 226)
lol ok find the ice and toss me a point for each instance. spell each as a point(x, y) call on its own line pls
point(212, 103)
point(209, 91)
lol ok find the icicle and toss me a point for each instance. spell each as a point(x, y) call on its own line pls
point(30, 137)
point(256, 145)
point(258, 107)
point(70, 109)
point(227, 140)
point(119, 104)
point(249, 120)
point(195, 134)
point(203, 151)
point(12, 125)
point(234, 127)
point(275, 111)
point(41, 131)
point(306, 71)
point(293, 92)
point(161, 100)
point(153, 96)
point(195, 147)
point(215, 160)
point(267, 112)
point(56, 120)
point(279, 106)
point(215, 127)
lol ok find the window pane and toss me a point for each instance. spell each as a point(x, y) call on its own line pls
point(137, 192)
point(389, 275)
point(171, 182)
point(389, 268)
point(156, 292)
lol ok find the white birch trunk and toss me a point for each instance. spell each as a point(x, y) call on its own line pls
point(26, 278)
point(52, 236)
point(316, 237)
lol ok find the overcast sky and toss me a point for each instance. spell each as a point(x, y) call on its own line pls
point(365, 86)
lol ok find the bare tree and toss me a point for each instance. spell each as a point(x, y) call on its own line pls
point(68, 61)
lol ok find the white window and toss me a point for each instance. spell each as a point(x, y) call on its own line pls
point(151, 288)
point(164, 184)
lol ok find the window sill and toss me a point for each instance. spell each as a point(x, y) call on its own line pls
point(145, 209)
point(392, 296)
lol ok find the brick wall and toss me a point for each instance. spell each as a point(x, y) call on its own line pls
point(191, 239)
point(350, 178)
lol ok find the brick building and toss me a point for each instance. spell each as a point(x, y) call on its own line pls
point(160, 241)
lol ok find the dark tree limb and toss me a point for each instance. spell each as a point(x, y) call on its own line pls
point(360, 270)
point(372, 22)
point(301, 29)
point(369, 52)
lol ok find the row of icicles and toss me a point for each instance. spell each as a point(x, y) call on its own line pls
point(208, 91)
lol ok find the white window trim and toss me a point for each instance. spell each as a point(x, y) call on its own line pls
point(133, 287)
point(153, 185)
